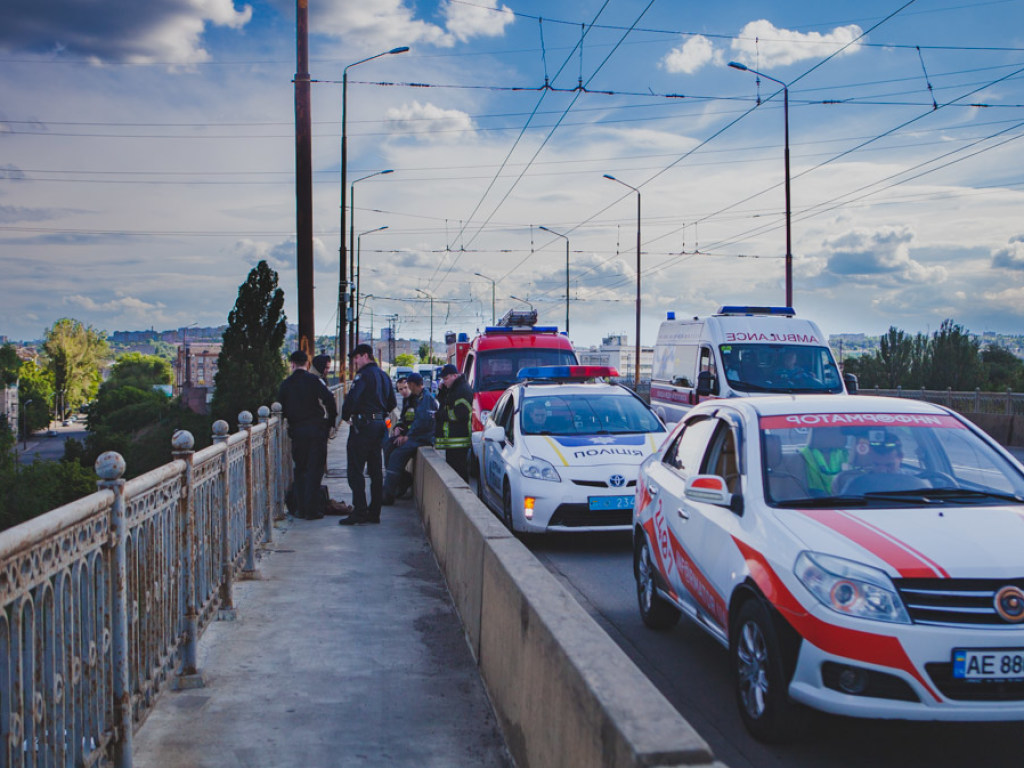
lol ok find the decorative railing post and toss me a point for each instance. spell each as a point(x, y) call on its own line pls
point(268, 481)
point(227, 567)
point(1009, 402)
point(110, 469)
point(188, 675)
point(279, 469)
point(249, 572)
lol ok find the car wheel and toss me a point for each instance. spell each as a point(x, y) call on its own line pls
point(506, 507)
point(656, 612)
point(759, 677)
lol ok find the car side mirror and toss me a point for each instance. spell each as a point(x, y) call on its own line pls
point(850, 379)
point(712, 489)
point(495, 434)
point(704, 380)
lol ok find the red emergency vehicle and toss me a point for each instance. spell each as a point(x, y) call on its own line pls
point(491, 361)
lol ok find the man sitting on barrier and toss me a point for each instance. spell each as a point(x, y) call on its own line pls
point(421, 432)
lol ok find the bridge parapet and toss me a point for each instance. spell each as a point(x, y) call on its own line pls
point(104, 598)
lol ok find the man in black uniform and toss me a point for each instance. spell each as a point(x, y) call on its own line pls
point(304, 402)
point(366, 406)
point(454, 420)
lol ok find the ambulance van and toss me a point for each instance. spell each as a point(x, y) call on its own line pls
point(739, 352)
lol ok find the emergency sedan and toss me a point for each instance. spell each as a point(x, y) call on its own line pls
point(861, 556)
point(560, 451)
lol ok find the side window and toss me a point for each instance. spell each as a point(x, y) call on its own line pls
point(689, 447)
point(470, 359)
point(707, 363)
point(722, 459)
point(500, 408)
point(507, 418)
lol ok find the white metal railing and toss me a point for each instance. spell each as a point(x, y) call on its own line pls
point(1009, 403)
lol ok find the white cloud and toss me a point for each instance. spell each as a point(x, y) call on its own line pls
point(430, 121)
point(482, 19)
point(121, 306)
point(1012, 256)
point(375, 24)
point(880, 254)
point(763, 45)
point(281, 256)
point(690, 56)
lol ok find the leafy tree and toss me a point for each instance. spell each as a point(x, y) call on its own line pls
point(75, 352)
point(250, 366)
point(866, 368)
point(9, 365)
point(35, 387)
point(955, 359)
point(1002, 369)
point(424, 352)
point(895, 357)
point(135, 369)
point(406, 359)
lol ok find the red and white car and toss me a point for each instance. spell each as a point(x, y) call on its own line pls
point(863, 556)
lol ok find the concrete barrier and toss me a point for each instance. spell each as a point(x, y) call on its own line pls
point(564, 693)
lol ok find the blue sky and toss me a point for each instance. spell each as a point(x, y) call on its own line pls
point(147, 157)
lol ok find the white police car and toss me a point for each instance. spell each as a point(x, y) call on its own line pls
point(859, 555)
point(560, 451)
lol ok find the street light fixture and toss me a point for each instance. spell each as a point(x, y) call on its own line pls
point(343, 257)
point(522, 300)
point(353, 333)
point(485, 277)
point(785, 118)
point(430, 353)
point(357, 281)
point(566, 238)
point(636, 367)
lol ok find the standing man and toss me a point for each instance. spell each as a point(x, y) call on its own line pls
point(454, 420)
point(366, 407)
point(420, 433)
point(309, 407)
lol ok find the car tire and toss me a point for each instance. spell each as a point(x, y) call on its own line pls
point(656, 612)
point(506, 507)
point(759, 675)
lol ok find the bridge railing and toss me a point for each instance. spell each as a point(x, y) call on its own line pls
point(104, 599)
point(1008, 403)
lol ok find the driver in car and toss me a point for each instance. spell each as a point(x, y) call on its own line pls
point(885, 455)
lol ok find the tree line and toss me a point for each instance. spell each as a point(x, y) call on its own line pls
point(949, 358)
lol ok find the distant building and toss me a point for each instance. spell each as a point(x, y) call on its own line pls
point(9, 407)
point(195, 367)
point(617, 352)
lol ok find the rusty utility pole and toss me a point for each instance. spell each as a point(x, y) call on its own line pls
point(304, 183)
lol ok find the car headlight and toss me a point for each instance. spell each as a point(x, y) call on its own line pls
point(538, 469)
point(850, 588)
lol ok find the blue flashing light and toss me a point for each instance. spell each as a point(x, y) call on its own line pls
point(671, 316)
point(567, 372)
point(521, 329)
point(463, 336)
point(743, 310)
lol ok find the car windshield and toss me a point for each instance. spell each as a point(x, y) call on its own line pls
point(881, 460)
point(780, 368)
point(496, 369)
point(586, 415)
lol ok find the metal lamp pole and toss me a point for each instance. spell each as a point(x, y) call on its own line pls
point(636, 367)
point(789, 228)
point(430, 354)
point(353, 332)
point(566, 238)
point(485, 277)
point(357, 281)
point(340, 350)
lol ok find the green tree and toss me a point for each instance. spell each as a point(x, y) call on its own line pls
point(895, 357)
point(9, 365)
point(955, 359)
point(866, 368)
point(1002, 369)
point(135, 369)
point(75, 353)
point(424, 352)
point(250, 366)
point(35, 387)
point(406, 359)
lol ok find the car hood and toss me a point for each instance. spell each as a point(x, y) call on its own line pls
point(594, 450)
point(938, 542)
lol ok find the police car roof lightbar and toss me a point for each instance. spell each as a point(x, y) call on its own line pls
point(739, 310)
point(567, 372)
point(521, 329)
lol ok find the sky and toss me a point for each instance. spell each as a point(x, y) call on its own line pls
point(147, 160)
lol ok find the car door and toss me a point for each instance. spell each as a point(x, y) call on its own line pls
point(497, 453)
point(665, 480)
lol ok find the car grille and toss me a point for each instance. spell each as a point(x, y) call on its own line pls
point(602, 484)
point(955, 602)
point(580, 516)
point(973, 690)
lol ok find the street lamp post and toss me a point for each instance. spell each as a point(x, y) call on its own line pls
point(485, 277)
point(636, 362)
point(522, 300)
point(357, 281)
point(785, 119)
point(566, 238)
point(353, 333)
point(24, 424)
point(343, 258)
point(430, 352)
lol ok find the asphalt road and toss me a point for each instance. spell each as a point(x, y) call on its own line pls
point(692, 671)
point(42, 446)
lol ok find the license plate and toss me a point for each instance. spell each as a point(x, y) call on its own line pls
point(610, 502)
point(988, 664)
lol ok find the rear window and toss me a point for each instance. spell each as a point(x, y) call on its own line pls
point(496, 369)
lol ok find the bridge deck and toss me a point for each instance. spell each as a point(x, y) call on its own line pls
point(347, 652)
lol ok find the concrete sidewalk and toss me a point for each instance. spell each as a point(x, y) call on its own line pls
point(347, 652)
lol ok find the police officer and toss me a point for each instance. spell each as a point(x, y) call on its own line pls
point(309, 407)
point(454, 419)
point(366, 407)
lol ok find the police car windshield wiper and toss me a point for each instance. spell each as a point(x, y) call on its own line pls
point(963, 494)
point(812, 502)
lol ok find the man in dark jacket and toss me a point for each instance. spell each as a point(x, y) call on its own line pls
point(366, 407)
point(305, 402)
point(420, 433)
point(454, 420)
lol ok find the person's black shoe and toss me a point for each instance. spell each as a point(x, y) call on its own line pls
point(358, 520)
point(387, 500)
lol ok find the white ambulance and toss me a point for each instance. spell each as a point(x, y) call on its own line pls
point(738, 352)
